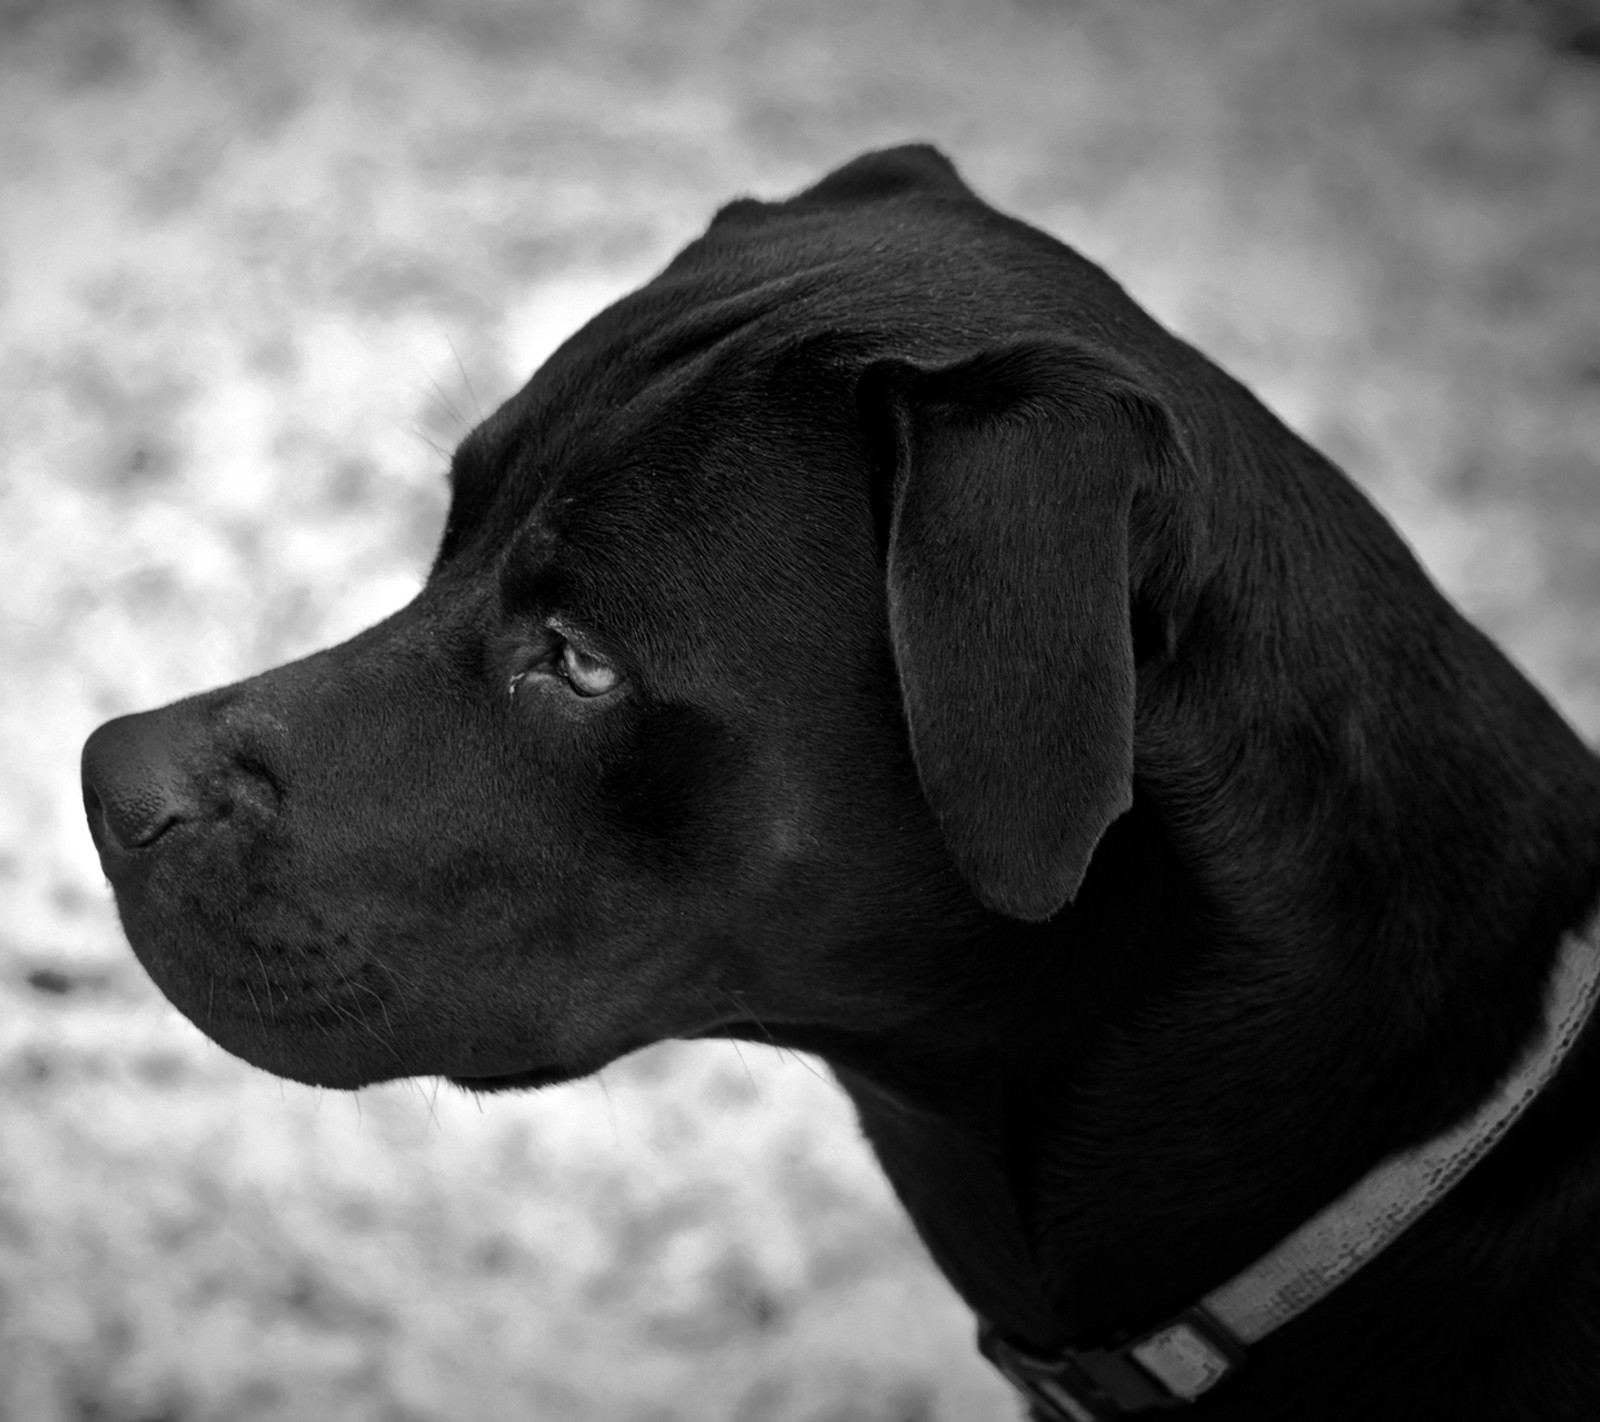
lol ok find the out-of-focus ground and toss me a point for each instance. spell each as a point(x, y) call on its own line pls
point(260, 266)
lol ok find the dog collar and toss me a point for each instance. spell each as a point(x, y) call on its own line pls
point(1190, 1353)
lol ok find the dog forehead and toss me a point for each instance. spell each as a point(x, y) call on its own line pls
point(654, 377)
point(706, 524)
point(730, 370)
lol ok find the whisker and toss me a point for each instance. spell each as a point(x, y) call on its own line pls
point(611, 1109)
point(266, 979)
point(260, 1016)
point(746, 1065)
point(465, 378)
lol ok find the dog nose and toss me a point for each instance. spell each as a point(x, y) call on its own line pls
point(134, 790)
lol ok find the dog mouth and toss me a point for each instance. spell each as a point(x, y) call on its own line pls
point(529, 1079)
point(587, 1062)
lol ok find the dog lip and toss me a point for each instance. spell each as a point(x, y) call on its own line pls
point(527, 1079)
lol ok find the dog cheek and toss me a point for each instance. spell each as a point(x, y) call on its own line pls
point(675, 797)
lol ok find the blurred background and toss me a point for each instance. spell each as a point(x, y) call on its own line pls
point(262, 262)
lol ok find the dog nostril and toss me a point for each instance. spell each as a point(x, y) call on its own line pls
point(135, 818)
point(95, 813)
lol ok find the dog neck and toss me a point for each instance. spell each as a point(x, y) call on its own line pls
point(1003, 1187)
point(1183, 1357)
point(1320, 938)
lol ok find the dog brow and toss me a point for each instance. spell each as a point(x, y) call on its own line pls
point(470, 462)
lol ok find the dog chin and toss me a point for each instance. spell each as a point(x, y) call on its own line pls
point(328, 1075)
point(341, 1071)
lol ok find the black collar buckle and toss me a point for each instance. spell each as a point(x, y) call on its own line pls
point(1168, 1367)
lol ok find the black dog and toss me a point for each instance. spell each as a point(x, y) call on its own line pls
point(878, 635)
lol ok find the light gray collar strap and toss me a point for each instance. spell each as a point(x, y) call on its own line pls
point(1189, 1354)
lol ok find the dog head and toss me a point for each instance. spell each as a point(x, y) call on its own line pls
point(784, 626)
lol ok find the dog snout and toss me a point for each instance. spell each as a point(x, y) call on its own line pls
point(146, 775)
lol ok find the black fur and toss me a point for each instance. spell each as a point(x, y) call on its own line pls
point(1017, 715)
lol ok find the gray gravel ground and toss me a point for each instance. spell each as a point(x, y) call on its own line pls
point(260, 266)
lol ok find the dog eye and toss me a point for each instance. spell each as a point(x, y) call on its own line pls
point(555, 661)
point(586, 675)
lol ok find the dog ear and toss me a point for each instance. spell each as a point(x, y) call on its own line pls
point(911, 170)
point(1014, 476)
point(887, 172)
